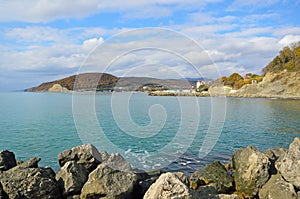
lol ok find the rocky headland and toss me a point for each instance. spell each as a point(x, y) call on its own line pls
point(87, 173)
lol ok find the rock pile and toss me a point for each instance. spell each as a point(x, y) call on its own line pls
point(89, 174)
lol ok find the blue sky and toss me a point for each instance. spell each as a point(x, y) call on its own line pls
point(44, 40)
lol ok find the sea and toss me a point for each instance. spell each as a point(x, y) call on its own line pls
point(151, 132)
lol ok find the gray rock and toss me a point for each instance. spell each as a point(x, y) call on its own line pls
point(145, 180)
point(86, 155)
point(277, 188)
point(214, 174)
point(74, 197)
point(251, 170)
point(104, 155)
point(7, 160)
point(169, 185)
point(117, 162)
point(207, 191)
point(19, 162)
point(183, 178)
point(227, 196)
point(298, 195)
point(72, 177)
point(3, 195)
point(289, 165)
point(30, 163)
point(275, 155)
point(30, 183)
point(105, 182)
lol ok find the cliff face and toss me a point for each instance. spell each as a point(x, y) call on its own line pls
point(279, 85)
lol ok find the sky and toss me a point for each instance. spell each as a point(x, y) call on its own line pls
point(45, 40)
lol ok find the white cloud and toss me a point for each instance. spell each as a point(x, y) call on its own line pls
point(92, 43)
point(289, 39)
point(49, 10)
point(241, 4)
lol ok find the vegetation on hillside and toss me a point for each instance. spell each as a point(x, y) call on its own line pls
point(236, 81)
point(288, 58)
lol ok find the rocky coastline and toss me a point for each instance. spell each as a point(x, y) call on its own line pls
point(87, 173)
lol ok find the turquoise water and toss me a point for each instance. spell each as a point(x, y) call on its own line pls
point(42, 125)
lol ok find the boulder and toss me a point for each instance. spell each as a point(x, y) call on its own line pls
point(277, 188)
point(207, 191)
point(104, 155)
point(145, 180)
point(169, 185)
point(74, 197)
point(251, 170)
point(72, 177)
point(3, 195)
point(105, 182)
point(275, 155)
point(86, 155)
point(7, 160)
point(30, 183)
point(225, 196)
point(214, 174)
point(117, 162)
point(30, 163)
point(289, 165)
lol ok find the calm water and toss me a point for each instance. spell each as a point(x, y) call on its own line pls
point(42, 125)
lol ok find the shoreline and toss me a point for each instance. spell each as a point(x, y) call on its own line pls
point(250, 174)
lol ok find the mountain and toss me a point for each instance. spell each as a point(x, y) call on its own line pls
point(103, 82)
point(84, 81)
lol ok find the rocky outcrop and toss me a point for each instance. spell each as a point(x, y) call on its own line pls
point(30, 183)
point(251, 170)
point(57, 88)
point(105, 182)
point(86, 155)
point(275, 155)
point(274, 85)
point(72, 177)
point(7, 160)
point(117, 162)
point(169, 185)
point(215, 175)
point(277, 188)
point(289, 165)
point(272, 174)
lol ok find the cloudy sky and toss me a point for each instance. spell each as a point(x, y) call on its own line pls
point(43, 40)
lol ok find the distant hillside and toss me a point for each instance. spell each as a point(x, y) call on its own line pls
point(106, 81)
point(281, 77)
point(109, 82)
point(288, 58)
point(236, 81)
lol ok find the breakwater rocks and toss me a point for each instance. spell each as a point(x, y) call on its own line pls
point(86, 173)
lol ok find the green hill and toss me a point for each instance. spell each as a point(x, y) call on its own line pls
point(288, 58)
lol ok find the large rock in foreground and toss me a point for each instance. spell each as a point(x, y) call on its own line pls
point(251, 170)
point(7, 160)
point(117, 162)
point(277, 188)
point(30, 183)
point(105, 182)
point(169, 185)
point(72, 177)
point(289, 166)
point(214, 174)
point(86, 155)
